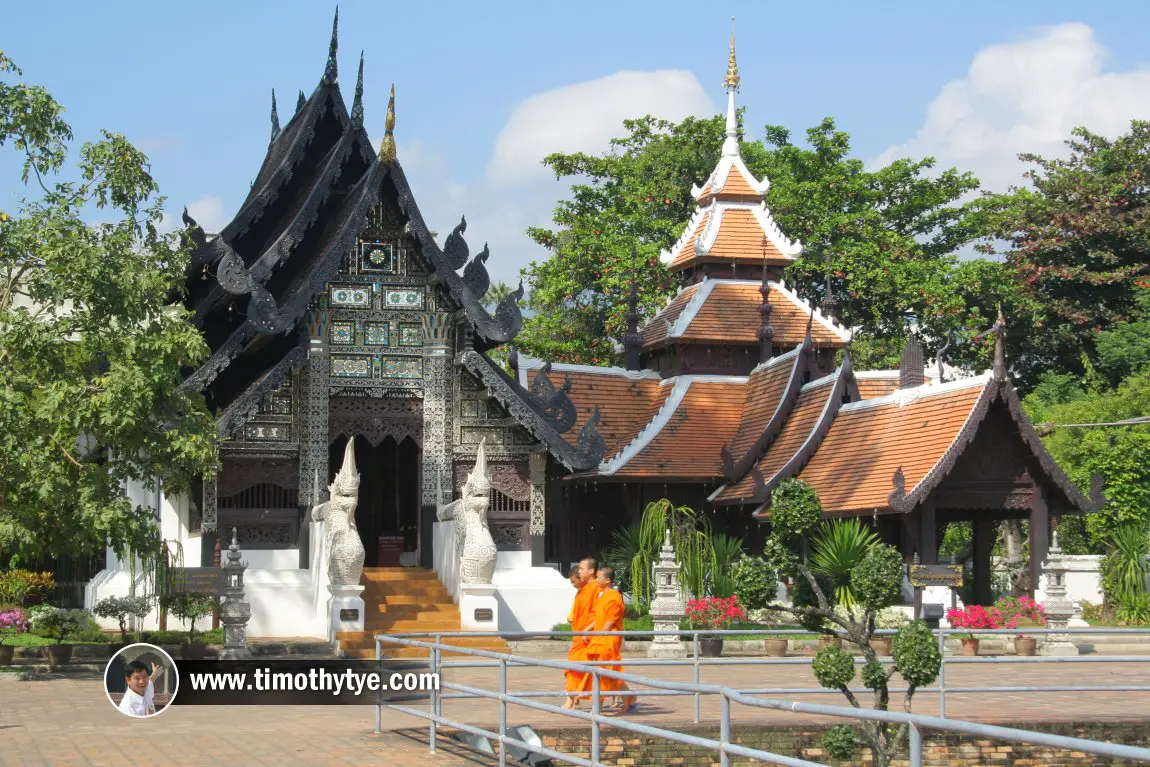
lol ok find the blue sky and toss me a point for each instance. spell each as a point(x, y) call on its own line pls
point(478, 84)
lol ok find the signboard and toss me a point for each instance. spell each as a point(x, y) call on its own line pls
point(200, 580)
point(349, 614)
point(484, 615)
point(390, 547)
point(922, 576)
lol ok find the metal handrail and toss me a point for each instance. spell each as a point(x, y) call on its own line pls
point(914, 722)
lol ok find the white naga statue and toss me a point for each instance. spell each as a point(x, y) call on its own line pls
point(341, 537)
point(472, 536)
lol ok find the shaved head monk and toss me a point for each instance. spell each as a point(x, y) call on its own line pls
point(608, 616)
point(581, 619)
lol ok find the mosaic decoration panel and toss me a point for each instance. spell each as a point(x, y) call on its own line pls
point(380, 257)
point(343, 333)
point(403, 299)
point(349, 366)
point(358, 296)
point(266, 432)
point(410, 335)
point(376, 334)
point(400, 367)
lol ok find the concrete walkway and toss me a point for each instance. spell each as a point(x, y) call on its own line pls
point(60, 721)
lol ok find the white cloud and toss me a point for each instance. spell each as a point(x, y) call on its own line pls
point(208, 211)
point(516, 191)
point(1026, 96)
point(584, 118)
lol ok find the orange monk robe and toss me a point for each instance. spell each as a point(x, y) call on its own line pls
point(581, 620)
point(608, 616)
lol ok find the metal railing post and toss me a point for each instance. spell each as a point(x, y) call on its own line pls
point(695, 644)
point(379, 696)
point(942, 673)
point(724, 728)
point(436, 701)
point(595, 717)
point(915, 746)
point(502, 712)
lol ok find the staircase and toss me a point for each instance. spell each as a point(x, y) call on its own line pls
point(403, 600)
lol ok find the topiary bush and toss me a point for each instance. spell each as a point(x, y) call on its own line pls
point(834, 669)
point(877, 580)
point(916, 654)
point(795, 508)
point(840, 742)
point(756, 582)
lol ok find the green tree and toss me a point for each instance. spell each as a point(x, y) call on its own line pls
point(888, 234)
point(496, 293)
point(1079, 240)
point(90, 352)
point(875, 582)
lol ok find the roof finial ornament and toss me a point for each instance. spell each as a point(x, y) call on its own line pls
point(387, 148)
point(357, 103)
point(331, 72)
point(766, 332)
point(300, 101)
point(829, 302)
point(1000, 346)
point(275, 119)
point(731, 82)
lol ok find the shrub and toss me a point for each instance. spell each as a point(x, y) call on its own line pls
point(58, 623)
point(121, 608)
point(916, 654)
point(795, 508)
point(25, 588)
point(756, 582)
point(975, 617)
point(12, 622)
point(891, 618)
point(877, 580)
point(834, 668)
point(840, 741)
point(715, 612)
point(190, 607)
point(1020, 612)
point(837, 549)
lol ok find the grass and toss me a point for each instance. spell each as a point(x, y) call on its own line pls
point(212, 636)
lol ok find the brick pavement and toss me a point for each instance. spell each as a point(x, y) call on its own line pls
point(66, 721)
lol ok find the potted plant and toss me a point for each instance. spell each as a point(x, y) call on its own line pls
point(891, 618)
point(1022, 612)
point(715, 613)
point(121, 608)
point(59, 624)
point(12, 622)
point(973, 618)
point(191, 607)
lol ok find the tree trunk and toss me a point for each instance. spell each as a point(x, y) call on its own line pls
point(1011, 531)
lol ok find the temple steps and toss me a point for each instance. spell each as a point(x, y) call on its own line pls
point(408, 600)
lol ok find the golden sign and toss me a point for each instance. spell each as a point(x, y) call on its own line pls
point(922, 576)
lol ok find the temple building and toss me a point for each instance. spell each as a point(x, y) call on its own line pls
point(332, 315)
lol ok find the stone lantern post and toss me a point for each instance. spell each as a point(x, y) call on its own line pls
point(1059, 609)
point(667, 609)
point(235, 611)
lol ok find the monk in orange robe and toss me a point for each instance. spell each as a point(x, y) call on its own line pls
point(581, 619)
point(608, 616)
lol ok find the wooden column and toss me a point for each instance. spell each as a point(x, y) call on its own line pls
point(1039, 535)
point(984, 533)
point(927, 535)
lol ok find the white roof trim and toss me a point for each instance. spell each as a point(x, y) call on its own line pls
point(653, 427)
point(532, 363)
point(904, 397)
point(668, 256)
point(680, 385)
point(806, 306)
point(773, 361)
point(722, 171)
point(691, 310)
point(711, 498)
point(788, 247)
point(822, 416)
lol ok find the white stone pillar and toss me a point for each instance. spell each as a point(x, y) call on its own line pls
point(667, 608)
point(437, 435)
point(1059, 609)
point(537, 465)
point(313, 449)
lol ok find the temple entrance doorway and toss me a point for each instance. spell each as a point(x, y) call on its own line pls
point(389, 496)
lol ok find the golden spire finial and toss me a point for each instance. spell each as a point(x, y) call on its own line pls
point(387, 148)
point(731, 82)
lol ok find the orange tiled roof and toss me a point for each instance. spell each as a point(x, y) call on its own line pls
point(727, 312)
point(798, 427)
point(626, 401)
point(739, 239)
point(876, 385)
point(683, 439)
point(735, 185)
point(869, 441)
point(764, 394)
